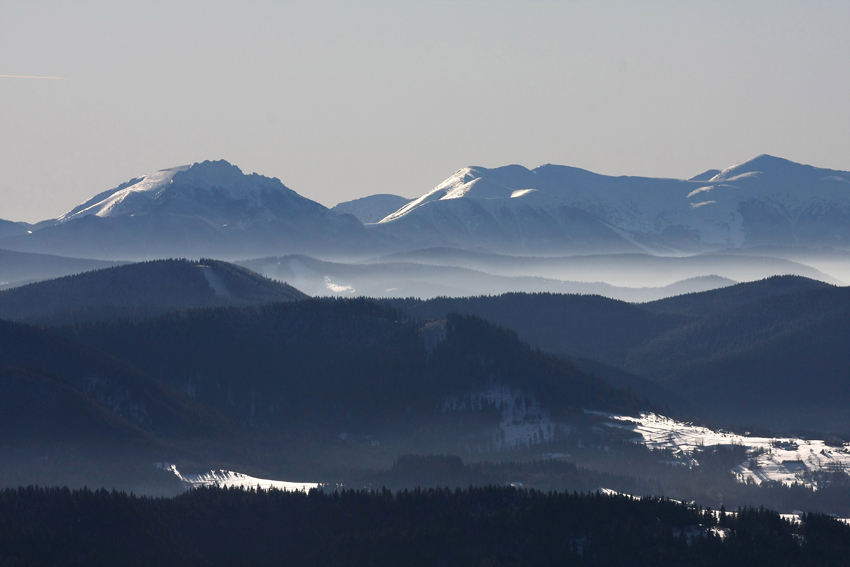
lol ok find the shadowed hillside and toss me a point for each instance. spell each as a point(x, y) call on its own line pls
point(339, 364)
point(61, 384)
point(588, 326)
point(767, 354)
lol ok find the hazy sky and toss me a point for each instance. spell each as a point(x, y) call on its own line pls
point(346, 99)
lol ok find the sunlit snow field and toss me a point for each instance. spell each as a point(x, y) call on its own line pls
point(231, 479)
point(784, 459)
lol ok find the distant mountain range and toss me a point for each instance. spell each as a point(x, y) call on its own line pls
point(552, 208)
point(18, 268)
point(207, 209)
point(425, 280)
point(213, 209)
point(627, 270)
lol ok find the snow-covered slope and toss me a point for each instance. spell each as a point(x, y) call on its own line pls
point(525, 422)
point(215, 191)
point(372, 208)
point(766, 200)
point(787, 459)
point(231, 479)
point(130, 198)
point(208, 208)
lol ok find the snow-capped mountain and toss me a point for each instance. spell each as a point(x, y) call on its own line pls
point(213, 209)
point(551, 208)
point(208, 208)
point(373, 208)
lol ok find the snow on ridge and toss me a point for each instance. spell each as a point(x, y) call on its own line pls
point(119, 201)
point(787, 460)
point(643, 206)
point(453, 183)
point(218, 179)
point(725, 172)
point(231, 479)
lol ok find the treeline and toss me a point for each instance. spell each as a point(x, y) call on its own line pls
point(638, 474)
point(476, 526)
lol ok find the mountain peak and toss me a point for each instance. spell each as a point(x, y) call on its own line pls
point(209, 174)
point(219, 180)
point(764, 163)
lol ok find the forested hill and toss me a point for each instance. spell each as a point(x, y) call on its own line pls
point(343, 365)
point(780, 362)
point(56, 390)
point(589, 326)
point(141, 290)
point(473, 527)
point(723, 299)
point(769, 354)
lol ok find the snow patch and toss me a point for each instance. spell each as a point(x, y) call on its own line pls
point(336, 288)
point(787, 460)
point(231, 479)
point(700, 190)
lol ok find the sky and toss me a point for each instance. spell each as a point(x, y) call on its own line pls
point(341, 100)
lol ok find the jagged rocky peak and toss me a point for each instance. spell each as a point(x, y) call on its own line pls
point(212, 175)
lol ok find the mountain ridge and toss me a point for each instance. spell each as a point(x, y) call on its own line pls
point(206, 209)
point(213, 209)
point(762, 200)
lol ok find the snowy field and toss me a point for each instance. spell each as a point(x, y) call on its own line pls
point(228, 479)
point(784, 459)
